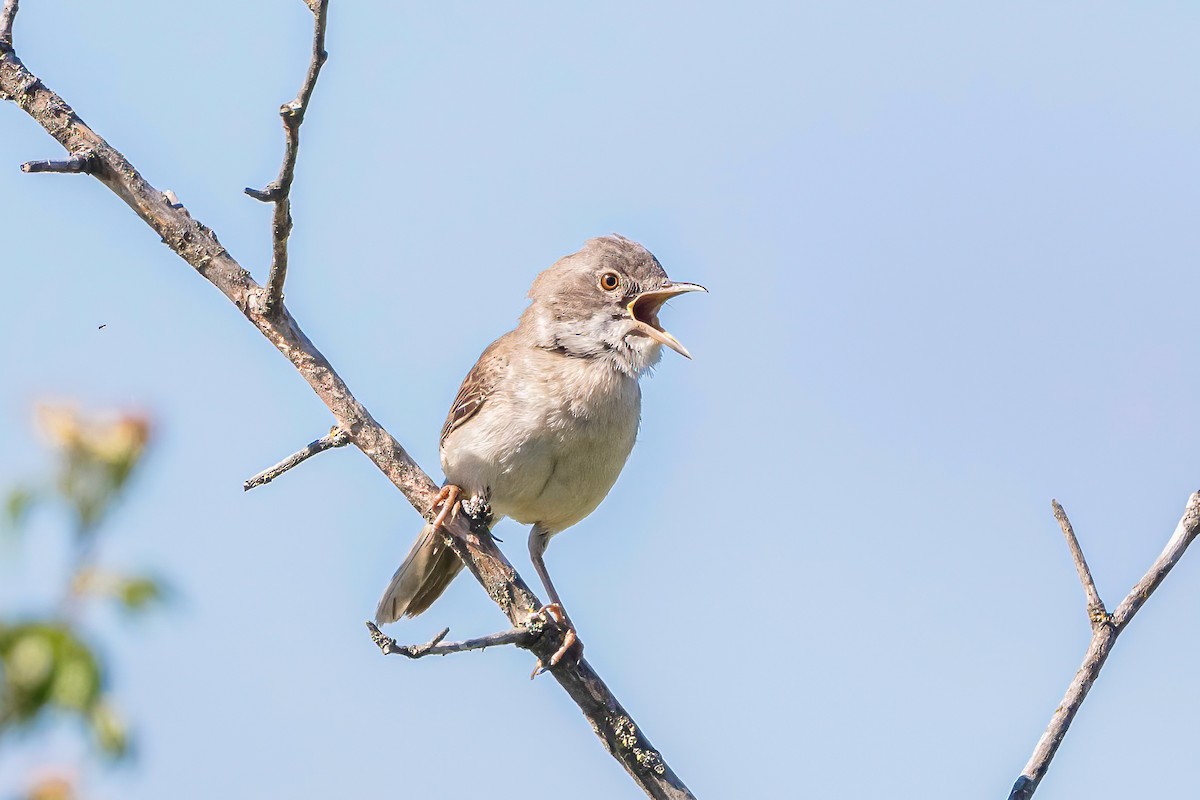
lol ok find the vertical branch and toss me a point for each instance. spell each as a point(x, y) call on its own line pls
point(7, 15)
point(279, 190)
point(1095, 606)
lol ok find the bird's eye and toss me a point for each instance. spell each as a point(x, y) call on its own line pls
point(610, 281)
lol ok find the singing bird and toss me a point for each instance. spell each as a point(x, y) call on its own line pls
point(547, 417)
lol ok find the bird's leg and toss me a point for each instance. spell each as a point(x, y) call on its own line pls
point(538, 539)
point(570, 638)
point(447, 498)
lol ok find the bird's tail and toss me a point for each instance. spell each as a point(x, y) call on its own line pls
point(421, 579)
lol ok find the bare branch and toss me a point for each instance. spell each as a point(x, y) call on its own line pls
point(1095, 606)
point(335, 438)
point(434, 647)
point(1186, 531)
point(7, 15)
point(279, 191)
point(197, 245)
point(79, 162)
point(1103, 639)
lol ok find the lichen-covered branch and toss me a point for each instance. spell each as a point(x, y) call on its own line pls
point(198, 246)
point(1104, 637)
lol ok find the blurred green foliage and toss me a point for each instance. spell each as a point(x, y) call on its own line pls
point(48, 666)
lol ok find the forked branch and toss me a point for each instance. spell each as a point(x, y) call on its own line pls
point(1104, 636)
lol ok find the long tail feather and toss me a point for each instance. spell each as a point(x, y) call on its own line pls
point(421, 579)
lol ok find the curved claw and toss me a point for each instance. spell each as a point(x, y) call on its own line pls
point(570, 639)
point(447, 498)
point(555, 610)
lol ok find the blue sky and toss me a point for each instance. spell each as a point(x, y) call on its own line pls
point(951, 254)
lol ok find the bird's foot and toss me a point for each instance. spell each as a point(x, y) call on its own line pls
point(479, 511)
point(478, 508)
point(447, 498)
point(570, 639)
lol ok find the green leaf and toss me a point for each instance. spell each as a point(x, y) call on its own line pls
point(17, 503)
point(76, 681)
point(29, 663)
point(137, 594)
point(45, 666)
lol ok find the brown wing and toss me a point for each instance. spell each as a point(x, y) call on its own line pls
point(475, 389)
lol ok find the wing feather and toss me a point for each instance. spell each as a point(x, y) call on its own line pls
point(475, 389)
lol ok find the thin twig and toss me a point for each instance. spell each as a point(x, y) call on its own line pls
point(279, 191)
point(7, 15)
point(1095, 606)
point(1103, 639)
point(335, 438)
point(77, 163)
point(435, 647)
point(196, 245)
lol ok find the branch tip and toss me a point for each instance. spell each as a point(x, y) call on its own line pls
point(84, 162)
point(335, 438)
point(264, 195)
point(279, 190)
point(1097, 614)
point(434, 647)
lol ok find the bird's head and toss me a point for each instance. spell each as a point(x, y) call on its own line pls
point(603, 302)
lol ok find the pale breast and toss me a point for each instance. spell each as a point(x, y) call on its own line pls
point(548, 448)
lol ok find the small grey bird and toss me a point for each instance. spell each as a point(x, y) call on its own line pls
point(546, 418)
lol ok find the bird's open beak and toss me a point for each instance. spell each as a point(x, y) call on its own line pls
point(644, 311)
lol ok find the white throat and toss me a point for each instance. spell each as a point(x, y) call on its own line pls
point(600, 338)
